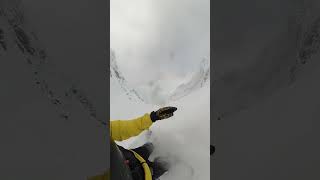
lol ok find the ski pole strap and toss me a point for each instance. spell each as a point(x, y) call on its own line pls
point(146, 168)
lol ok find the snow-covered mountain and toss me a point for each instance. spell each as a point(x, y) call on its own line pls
point(152, 93)
point(116, 75)
point(198, 79)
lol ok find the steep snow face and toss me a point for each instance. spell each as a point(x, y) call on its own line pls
point(116, 75)
point(159, 92)
point(52, 113)
point(268, 110)
point(184, 138)
point(197, 80)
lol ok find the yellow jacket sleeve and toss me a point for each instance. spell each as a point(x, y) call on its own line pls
point(124, 129)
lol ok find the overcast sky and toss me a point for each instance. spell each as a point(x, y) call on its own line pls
point(164, 39)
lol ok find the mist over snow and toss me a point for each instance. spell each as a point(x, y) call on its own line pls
point(185, 137)
point(161, 39)
point(160, 57)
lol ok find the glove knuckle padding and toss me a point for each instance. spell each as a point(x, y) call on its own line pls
point(165, 112)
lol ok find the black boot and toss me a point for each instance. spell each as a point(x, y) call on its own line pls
point(159, 167)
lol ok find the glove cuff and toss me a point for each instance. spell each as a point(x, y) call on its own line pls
point(153, 116)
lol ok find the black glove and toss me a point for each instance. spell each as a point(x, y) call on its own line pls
point(162, 113)
point(212, 149)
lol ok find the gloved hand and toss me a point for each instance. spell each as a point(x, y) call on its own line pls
point(162, 113)
point(212, 149)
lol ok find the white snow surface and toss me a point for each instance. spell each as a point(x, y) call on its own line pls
point(185, 137)
point(161, 55)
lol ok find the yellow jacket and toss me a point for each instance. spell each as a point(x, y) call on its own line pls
point(121, 130)
point(124, 129)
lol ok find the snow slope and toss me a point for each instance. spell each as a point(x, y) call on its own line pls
point(155, 94)
point(52, 110)
point(185, 137)
point(268, 125)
